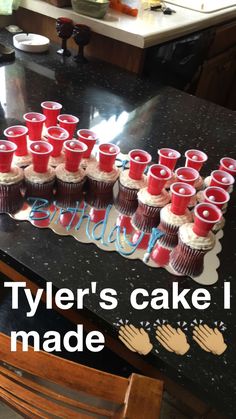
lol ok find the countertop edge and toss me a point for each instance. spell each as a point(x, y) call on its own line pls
point(197, 21)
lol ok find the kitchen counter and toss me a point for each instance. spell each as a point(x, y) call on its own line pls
point(155, 116)
point(148, 29)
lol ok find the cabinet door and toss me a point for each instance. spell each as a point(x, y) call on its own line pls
point(217, 78)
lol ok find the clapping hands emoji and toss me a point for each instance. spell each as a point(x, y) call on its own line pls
point(137, 340)
point(210, 340)
point(173, 340)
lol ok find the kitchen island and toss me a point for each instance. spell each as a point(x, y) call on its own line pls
point(133, 113)
point(119, 34)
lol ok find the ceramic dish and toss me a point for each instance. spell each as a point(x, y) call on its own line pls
point(31, 42)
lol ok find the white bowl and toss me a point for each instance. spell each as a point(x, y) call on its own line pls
point(31, 42)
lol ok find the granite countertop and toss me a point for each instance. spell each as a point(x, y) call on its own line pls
point(157, 116)
point(148, 29)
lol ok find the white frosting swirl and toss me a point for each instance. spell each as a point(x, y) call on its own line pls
point(188, 237)
point(95, 173)
point(85, 162)
point(207, 181)
point(15, 175)
point(40, 178)
point(153, 200)
point(55, 161)
point(170, 181)
point(199, 183)
point(69, 177)
point(22, 160)
point(127, 181)
point(177, 220)
point(218, 226)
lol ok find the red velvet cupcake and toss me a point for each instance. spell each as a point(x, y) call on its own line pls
point(131, 181)
point(89, 138)
point(152, 199)
point(102, 176)
point(195, 240)
point(70, 177)
point(11, 179)
point(39, 177)
point(173, 215)
point(18, 135)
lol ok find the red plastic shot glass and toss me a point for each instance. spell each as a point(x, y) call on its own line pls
point(69, 123)
point(51, 110)
point(158, 175)
point(222, 179)
point(228, 165)
point(34, 122)
point(41, 151)
point(195, 159)
point(7, 149)
point(161, 255)
point(107, 156)
point(187, 175)
point(205, 216)
point(181, 193)
point(17, 134)
point(74, 151)
point(89, 138)
point(139, 159)
point(56, 137)
point(215, 195)
point(168, 157)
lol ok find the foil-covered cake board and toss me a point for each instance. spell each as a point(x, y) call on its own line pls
point(105, 234)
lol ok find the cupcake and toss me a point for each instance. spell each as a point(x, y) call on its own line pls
point(130, 181)
point(195, 159)
point(34, 122)
point(39, 177)
point(70, 177)
point(56, 136)
point(194, 241)
point(51, 110)
point(220, 198)
point(69, 123)
point(18, 135)
point(221, 179)
point(89, 138)
point(173, 215)
point(190, 176)
point(169, 157)
point(228, 165)
point(11, 179)
point(152, 198)
point(102, 176)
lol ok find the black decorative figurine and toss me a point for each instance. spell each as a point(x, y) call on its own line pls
point(82, 36)
point(64, 27)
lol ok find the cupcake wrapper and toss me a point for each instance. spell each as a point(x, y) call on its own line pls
point(170, 239)
point(99, 194)
point(146, 217)
point(67, 194)
point(39, 190)
point(187, 261)
point(11, 199)
point(126, 201)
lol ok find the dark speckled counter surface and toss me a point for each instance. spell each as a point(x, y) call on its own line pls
point(157, 116)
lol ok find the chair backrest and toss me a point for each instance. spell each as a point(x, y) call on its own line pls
point(30, 391)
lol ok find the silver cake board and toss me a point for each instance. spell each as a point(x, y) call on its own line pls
point(70, 223)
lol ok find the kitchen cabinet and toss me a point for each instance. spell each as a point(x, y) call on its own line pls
point(217, 81)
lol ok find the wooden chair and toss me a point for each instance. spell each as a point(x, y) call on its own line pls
point(30, 391)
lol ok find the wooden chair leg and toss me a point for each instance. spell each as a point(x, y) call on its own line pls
point(143, 395)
